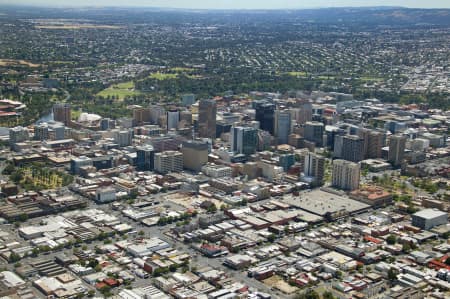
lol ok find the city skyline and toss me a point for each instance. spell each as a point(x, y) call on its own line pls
point(227, 4)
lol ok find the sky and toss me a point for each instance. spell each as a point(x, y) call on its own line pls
point(236, 4)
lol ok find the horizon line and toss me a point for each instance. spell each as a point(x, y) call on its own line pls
point(65, 6)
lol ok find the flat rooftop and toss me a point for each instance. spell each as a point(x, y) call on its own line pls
point(430, 213)
point(320, 202)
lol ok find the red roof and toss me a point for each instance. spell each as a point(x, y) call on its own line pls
point(111, 282)
point(100, 285)
point(372, 239)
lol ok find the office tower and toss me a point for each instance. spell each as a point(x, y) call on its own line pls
point(156, 112)
point(78, 162)
point(142, 115)
point(18, 134)
point(107, 124)
point(338, 144)
point(303, 112)
point(123, 137)
point(296, 141)
point(397, 144)
point(126, 122)
point(264, 140)
point(56, 130)
point(173, 119)
point(231, 118)
point(169, 161)
point(345, 175)
point(352, 148)
point(314, 168)
point(41, 132)
point(195, 154)
point(286, 161)
point(145, 156)
point(373, 142)
point(376, 143)
point(62, 113)
point(313, 131)
point(166, 143)
point(185, 119)
point(207, 111)
point(283, 124)
point(264, 113)
point(188, 99)
point(244, 140)
point(222, 127)
point(331, 132)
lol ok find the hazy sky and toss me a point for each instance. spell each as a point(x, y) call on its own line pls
point(237, 4)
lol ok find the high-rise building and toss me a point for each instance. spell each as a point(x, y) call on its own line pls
point(207, 111)
point(302, 112)
point(195, 154)
point(62, 112)
point(123, 137)
point(244, 140)
point(373, 142)
point(283, 124)
point(286, 161)
point(188, 99)
point(169, 161)
point(166, 143)
point(106, 124)
point(352, 148)
point(41, 132)
point(185, 119)
point(156, 113)
point(18, 134)
point(397, 145)
point(145, 156)
point(173, 119)
point(264, 140)
point(314, 168)
point(331, 132)
point(57, 130)
point(376, 143)
point(78, 162)
point(264, 113)
point(126, 122)
point(313, 131)
point(142, 115)
point(345, 175)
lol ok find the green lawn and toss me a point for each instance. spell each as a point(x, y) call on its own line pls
point(120, 90)
point(297, 74)
point(181, 69)
point(374, 79)
point(163, 76)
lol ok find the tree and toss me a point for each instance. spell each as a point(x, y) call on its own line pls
point(212, 208)
point(328, 295)
point(14, 257)
point(392, 274)
point(391, 240)
point(447, 261)
point(309, 294)
point(9, 169)
point(406, 247)
point(173, 268)
point(271, 238)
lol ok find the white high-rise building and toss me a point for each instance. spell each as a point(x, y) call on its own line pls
point(345, 175)
point(314, 168)
point(168, 161)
